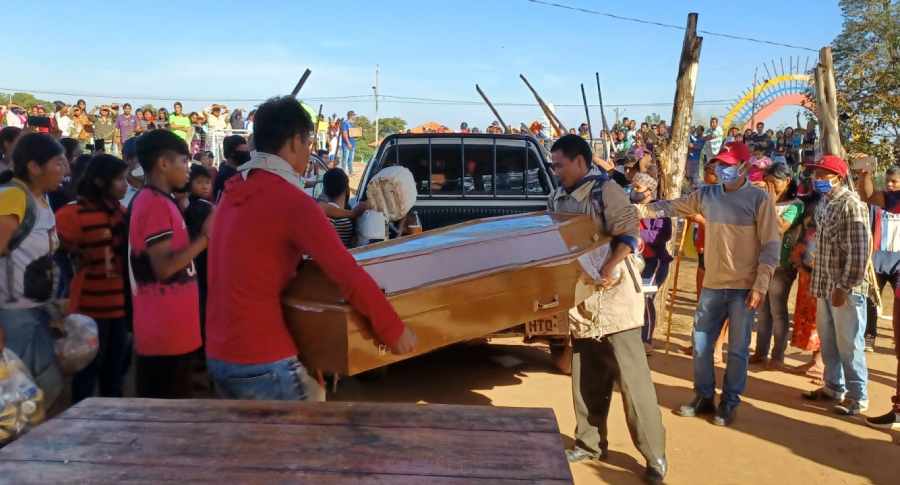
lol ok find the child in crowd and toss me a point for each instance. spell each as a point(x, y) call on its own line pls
point(655, 234)
point(93, 228)
point(198, 211)
point(161, 263)
point(333, 202)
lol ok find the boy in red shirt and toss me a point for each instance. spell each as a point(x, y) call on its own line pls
point(161, 269)
point(265, 223)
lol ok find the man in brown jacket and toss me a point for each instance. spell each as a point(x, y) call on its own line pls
point(606, 327)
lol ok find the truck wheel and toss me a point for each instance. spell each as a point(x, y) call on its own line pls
point(561, 355)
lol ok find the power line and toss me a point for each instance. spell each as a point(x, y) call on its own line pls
point(668, 26)
point(384, 98)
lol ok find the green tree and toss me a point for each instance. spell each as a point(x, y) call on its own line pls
point(27, 100)
point(386, 126)
point(653, 118)
point(867, 72)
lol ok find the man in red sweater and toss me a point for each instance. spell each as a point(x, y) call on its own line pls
point(264, 224)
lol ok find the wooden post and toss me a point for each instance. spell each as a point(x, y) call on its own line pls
point(674, 283)
point(493, 110)
point(587, 114)
point(300, 83)
point(551, 116)
point(674, 154)
point(826, 104)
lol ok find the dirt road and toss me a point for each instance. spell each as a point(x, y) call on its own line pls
point(778, 438)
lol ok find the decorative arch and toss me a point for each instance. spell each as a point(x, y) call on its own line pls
point(771, 96)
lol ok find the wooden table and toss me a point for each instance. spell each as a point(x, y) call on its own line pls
point(157, 441)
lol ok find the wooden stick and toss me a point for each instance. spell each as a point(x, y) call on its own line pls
point(587, 114)
point(607, 140)
point(674, 294)
point(551, 116)
point(301, 82)
point(493, 110)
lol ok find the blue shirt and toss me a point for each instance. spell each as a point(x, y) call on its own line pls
point(345, 128)
point(696, 148)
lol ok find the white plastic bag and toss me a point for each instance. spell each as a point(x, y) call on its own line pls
point(392, 191)
point(21, 401)
point(78, 347)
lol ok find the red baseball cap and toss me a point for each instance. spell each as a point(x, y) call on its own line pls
point(733, 153)
point(832, 163)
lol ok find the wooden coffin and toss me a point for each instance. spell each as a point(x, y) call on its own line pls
point(449, 285)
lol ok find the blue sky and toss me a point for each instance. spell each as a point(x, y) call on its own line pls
point(202, 50)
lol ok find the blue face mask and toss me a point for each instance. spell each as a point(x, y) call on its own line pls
point(627, 189)
point(727, 174)
point(822, 186)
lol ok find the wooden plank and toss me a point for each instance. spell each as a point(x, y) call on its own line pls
point(387, 415)
point(35, 472)
point(308, 448)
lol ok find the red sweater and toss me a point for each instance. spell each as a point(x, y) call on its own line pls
point(263, 226)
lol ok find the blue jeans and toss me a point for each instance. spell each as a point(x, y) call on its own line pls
point(655, 273)
point(842, 332)
point(28, 335)
point(282, 380)
point(347, 154)
point(715, 306)
point(773, 315)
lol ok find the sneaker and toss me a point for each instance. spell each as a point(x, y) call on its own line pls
point(725, 415)
point(578, 454)
point(851, 407)
point(823, 394)
point(699, 405)
point(870, 344)
point(890, 421)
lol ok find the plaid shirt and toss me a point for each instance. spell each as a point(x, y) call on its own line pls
point(842, 244)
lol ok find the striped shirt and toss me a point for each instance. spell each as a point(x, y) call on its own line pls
point(842, 244)
point(344, 227)
point(96, 234)
point(742, 241)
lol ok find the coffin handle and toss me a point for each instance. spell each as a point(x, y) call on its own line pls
point(538, 306)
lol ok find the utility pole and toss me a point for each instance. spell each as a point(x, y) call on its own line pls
point(375, 88)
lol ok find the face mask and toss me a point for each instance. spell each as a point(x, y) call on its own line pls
point(241, 157)
point(637, 197)
point(727, 174)
point(137, 172)
point(822, 186)
point(627, 189)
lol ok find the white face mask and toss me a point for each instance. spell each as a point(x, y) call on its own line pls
point(137, 172)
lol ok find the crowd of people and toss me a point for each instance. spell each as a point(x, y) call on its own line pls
point(155, 247)
point(107, 127)
point(805, 218)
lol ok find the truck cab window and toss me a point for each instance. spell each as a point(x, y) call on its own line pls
point(479, 175)
point(511, 159)
point(446, 166)
point(413, 154)
point(537, 183)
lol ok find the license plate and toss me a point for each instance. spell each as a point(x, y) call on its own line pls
point(556, 325)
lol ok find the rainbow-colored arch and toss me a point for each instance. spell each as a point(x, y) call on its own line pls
point(771, 96)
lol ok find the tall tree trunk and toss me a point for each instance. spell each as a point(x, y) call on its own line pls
point(826, 104)
point(674, 155)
